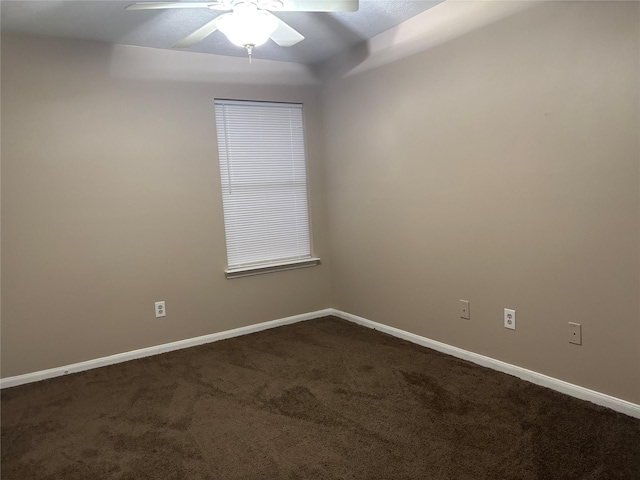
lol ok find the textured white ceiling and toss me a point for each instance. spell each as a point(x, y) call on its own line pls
point(326, 34)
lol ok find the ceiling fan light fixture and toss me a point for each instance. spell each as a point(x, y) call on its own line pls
point(247, 26)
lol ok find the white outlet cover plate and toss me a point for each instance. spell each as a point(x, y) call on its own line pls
point(509, 319)
point(161, 309)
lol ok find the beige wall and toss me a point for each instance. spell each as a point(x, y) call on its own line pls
point(111, 200)
point(502, 167)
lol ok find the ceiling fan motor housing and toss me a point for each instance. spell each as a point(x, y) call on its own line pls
point(260, 4)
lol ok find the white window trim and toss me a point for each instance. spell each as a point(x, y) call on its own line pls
point(239, 271)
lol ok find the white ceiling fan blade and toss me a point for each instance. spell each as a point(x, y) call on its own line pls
point(197, 36)
point(284, 35)
point(165, 5)
point(319, 6)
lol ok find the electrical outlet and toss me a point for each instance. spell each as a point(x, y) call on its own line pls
point(575, 333)
point(161, 310)
point(509, 318)
point(464, 309)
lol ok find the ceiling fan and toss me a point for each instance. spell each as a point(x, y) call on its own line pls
point(250, 22)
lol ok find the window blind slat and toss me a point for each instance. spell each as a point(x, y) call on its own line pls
point(264, 182)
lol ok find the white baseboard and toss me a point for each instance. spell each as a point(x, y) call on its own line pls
point(147, 352)
point(617, 404)
point(567, 388)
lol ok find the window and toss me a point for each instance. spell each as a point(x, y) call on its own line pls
point(264, 186)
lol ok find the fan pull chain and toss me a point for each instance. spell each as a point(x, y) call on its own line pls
point(249, 51)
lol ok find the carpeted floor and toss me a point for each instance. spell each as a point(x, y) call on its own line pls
point(323, 399)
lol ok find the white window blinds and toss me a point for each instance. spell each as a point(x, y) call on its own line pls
point(264, 183)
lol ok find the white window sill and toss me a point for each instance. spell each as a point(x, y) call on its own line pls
point(272, 267)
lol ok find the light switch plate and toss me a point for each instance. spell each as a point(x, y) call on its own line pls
point(575, 333)
point(464, 309)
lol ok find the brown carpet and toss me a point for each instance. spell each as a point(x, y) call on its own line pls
point(323, 399)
